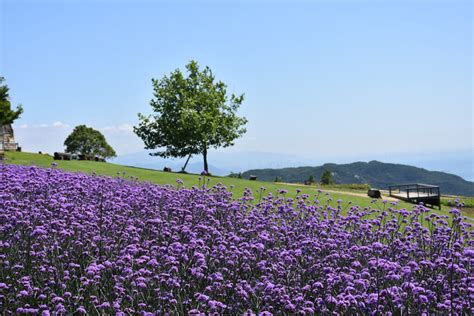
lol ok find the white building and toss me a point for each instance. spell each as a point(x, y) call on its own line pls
point(7, 138)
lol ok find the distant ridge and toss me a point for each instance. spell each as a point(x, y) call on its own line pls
point(377, 174)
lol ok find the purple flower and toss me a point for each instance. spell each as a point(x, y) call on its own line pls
point(118, 246)
point(81, 310)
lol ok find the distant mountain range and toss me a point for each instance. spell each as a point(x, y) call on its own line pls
point(221, 163)
point(376, 174)
point(224, 161)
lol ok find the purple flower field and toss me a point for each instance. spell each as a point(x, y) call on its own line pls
point(73, 243)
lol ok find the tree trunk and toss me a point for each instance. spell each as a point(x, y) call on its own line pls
point(186, 163)
point(204, 155)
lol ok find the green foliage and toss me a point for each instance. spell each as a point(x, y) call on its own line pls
point(375, 173)
point(277, 179)
point(88, 141)
point(311, 179)
point(7, 115)
point(326, 177)
point(236, 185)
point(468, 202)
point(191, 114)
point(235, 175)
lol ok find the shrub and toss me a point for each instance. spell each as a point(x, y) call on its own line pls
point(326, 177)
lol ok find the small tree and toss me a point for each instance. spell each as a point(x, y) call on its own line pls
point(277, 179)
point(88, 141)
point(191, 114)
point(311, 179)
point(326, 177)
point(7, 115)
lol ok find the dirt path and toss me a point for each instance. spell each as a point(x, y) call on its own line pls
point(469, 212)
point(384, 197)
point(388, 198)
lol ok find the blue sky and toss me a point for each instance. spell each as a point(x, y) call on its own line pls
point(321, 78)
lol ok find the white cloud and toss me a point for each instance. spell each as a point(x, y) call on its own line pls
point(107, 128)
point(59, 124)
point(122, 128)
point(47, 138)
point(125, 127)
point(122, 138)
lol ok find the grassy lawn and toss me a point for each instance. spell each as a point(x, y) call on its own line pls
point(238, 185)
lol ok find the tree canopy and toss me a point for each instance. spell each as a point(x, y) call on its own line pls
point(326, 177)
point(191, 114)
point(7, 115)
point(88, 141)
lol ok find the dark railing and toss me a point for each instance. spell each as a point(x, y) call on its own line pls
point(417, 193)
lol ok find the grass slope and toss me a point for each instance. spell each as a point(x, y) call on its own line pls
point(377, 174)
point(159, 177)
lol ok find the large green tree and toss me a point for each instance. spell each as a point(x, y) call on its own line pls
point(88, 141)
point(192, 113)
point(7, 115)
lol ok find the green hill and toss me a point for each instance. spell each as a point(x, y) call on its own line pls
point(353, 194)
point(376, 174)
point(237, 185)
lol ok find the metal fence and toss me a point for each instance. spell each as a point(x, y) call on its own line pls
point(417, 193)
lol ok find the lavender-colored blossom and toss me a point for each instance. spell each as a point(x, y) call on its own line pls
point(78, 244)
